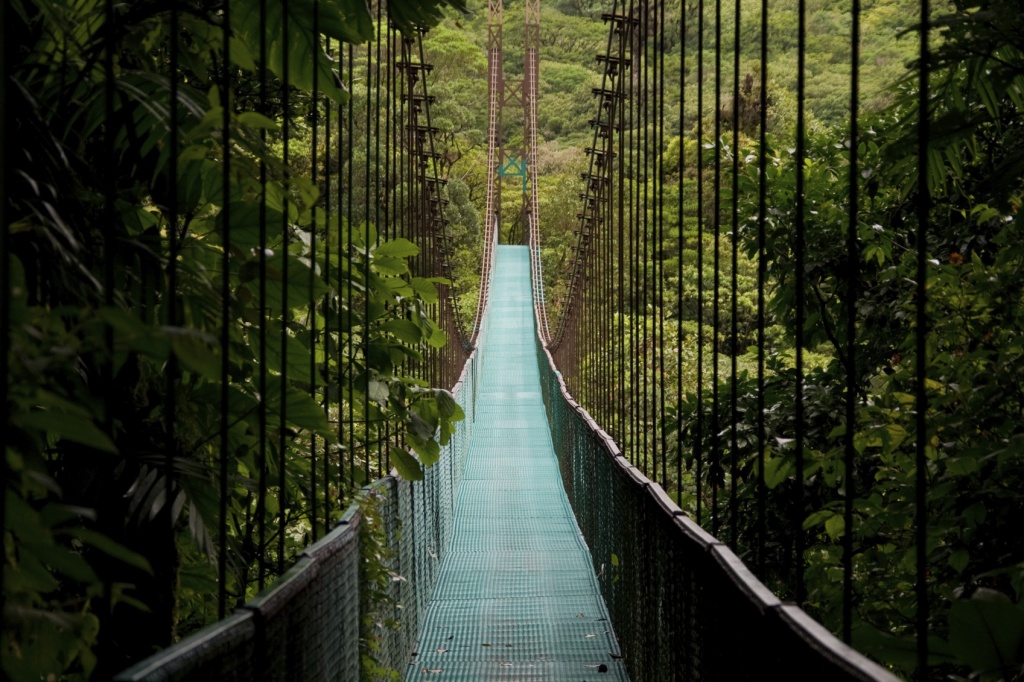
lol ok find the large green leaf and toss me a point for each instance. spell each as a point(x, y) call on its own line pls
point(987, 635)
point(133, 335)
point(428, 449)
point(246, 217)
point(296, 355)
point(347, 21)
point(63, 425)
point(397, 248)
point(297, 286)
point(409, 15)
point(406, 330)
point(109, 547)
point(425, 288)
point(197, 352)
point(898, 651)
point(447, 407)
point(301, 410)
point(408, 467)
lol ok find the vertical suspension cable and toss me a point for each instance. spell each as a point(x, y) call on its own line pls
point(798, 261)
point(344, 280)
point(225, 320)
point(620, 122)
point(285, 306)
point(638, 225)
point(381, 229)
point(261, 492)
point(634, 223)
point(608, 288)
point(852, 272)
point(716, 425)
point(681, 223)
point(650, 238)
point(366, 263)
point(921, 345)
point(660, 102)
point(762, 201)
point(389, 232)
point(5, 298)
point(315, 102)
point(400, 143)
point(699, 440)
point(351, 265)
point(734, 347)
point(325, 305)
point(171, 297)
point(634, 424)
point(643, 177)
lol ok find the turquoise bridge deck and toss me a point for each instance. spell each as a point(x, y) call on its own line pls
point(516, 597)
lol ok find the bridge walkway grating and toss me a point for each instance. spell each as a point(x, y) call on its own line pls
point(516, 597)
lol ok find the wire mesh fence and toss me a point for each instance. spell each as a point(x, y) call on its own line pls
point(315, 622)
point(680, 600)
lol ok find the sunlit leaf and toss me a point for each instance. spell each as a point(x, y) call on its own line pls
point(408, 467)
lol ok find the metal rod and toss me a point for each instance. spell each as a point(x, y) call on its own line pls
point(283, 444)
point(921, 345)
point(852, 273)
point(699, 440)
point(734, 347)
point(800, 304)
point(762, 273)
point(261, 493)
point(225, 320)
point(716, 426)
point(311, 314)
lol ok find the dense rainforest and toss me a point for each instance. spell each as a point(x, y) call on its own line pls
point(85, 479)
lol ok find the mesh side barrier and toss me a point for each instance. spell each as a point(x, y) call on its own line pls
point(336, 604)
point(407, 495)
point(285, 632)
point(681, 602)
point(307, 625)
point(423, 539)
point(418, 518)
point(222, 652)
point(400, 517)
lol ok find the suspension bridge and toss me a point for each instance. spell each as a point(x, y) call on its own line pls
point(256, 281)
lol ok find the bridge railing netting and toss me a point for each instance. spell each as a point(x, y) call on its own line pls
point(682, 604)
point(310, 623)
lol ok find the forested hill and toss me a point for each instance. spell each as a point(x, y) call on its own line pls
point(573, 34)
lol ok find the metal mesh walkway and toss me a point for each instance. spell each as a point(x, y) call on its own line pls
point(516, 598)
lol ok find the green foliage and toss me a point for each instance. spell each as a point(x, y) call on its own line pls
point(975, 250)
point(111, 519)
